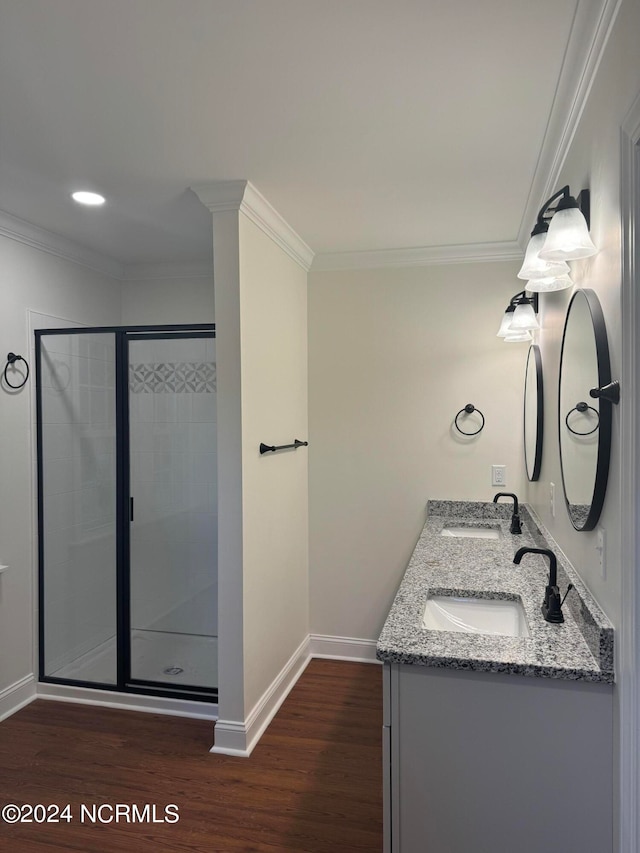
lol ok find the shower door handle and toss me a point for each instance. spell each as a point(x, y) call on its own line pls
point(130, 509)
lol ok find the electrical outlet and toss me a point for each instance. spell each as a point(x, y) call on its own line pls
point(498, 475)
point(552, 500)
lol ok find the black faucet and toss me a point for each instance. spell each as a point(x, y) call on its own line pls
point(516, 526)
point(551, 606)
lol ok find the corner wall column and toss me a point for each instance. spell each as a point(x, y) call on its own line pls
point(260, 285)
point(225, 210)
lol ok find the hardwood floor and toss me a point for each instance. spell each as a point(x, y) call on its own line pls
point(312, 785)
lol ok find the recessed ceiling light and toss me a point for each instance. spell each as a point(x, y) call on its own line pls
point(93, 199)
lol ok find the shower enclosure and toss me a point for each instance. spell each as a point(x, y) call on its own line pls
point(127, 504)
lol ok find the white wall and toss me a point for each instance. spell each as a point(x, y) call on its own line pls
point(167, 294)
point(273, 307)
point(40, 282)
point(394, 354)
point(231, 702)
point(594, 161)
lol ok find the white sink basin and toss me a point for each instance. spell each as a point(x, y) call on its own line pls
point(475, 616)
point(471, 532)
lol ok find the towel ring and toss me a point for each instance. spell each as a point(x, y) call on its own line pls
point(11, 359)
point(469, 409)
point(583, 407)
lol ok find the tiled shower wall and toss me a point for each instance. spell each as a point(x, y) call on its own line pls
point(172, 412)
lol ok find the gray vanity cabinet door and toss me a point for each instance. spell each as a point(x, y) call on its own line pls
point(491, 762)
point(386, 757)
point(386, 787)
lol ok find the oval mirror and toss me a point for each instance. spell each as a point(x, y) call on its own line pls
point(533, 413)
point(584, 422)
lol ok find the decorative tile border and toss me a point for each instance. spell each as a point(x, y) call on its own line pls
point(187, 377)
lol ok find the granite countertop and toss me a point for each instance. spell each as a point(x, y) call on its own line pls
point(580, 649)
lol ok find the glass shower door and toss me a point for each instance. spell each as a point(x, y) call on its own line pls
point(173, 511)
point(78, 501)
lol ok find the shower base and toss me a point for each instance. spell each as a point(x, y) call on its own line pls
point(152, 652)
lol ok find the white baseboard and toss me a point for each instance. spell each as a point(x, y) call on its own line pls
point(128, 701)
point(17, 695)
point(342, 648)
point(239, 737)
point(231, 737)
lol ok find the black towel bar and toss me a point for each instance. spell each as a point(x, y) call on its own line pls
point(265, 448)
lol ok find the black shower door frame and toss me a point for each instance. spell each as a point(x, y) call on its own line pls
point(124, 682)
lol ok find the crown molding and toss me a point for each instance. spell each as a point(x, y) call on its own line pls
point(261, 213)
point(591, 26)
point(54, 244)
point(167, 271)
point(221, 196)
point(464, 253)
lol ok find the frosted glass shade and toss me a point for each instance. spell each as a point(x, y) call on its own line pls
point(518, 337)
point(568, 237)
point(534, 267)
point(507, 317)
point(546, 285)
point(524, 319)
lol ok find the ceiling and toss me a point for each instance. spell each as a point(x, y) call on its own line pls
point(368, 124)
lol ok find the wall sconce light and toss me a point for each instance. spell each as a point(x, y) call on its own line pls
point(518, 337)
point(561, 234)
point(519, 319)
point(507, 317)
point(546, 285)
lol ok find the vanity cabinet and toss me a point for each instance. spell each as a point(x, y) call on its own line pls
point(481, 762)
